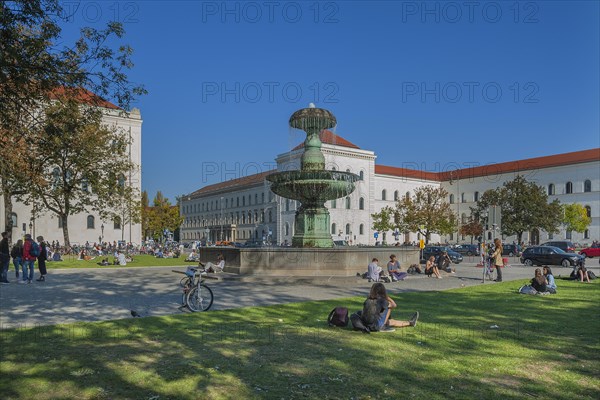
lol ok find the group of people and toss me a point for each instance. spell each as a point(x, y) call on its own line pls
point(392, 273)
point(24, 254)
point(434, 264)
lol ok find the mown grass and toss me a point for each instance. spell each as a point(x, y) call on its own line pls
point(138, 261)
point(544, 347)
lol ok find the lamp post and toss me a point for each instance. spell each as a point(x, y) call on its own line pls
point(30, 227)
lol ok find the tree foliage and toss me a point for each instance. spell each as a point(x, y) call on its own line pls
point(524, 207)
point(382, 221)
point(426, 212)
point(472, 228)
point(575, 217)
point(162, 215)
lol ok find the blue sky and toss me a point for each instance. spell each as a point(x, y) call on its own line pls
point(434, 84)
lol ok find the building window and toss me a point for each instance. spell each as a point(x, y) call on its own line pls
point(476, 196)
point(588, 211)
point(407, 195)
point(13, 219)
point(347, 203)
point(85, 187)
point(586, 234)
point(451, 199)
point(287, 229)
point(587, 186)
point(249, 200)
point(117, 223)
point(551, 189)
point(463, 198)
point(361, 175)
point(287, 204)
point(347, 229)
point(383, 194)
point(333, 203)
point(396, 198)
point(238, 202)
point(270, 215)
point(90, 222)
point(262, 198)
point(551, 236)
point(463, 219)
point(569, 235)
point(243, 200)
point(569, 188)
point(361, 229)
point(333, 229)
point(361, 203)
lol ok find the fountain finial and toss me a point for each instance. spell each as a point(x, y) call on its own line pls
point(311, 105)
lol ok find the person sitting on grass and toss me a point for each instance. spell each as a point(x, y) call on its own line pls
point(582, 272)
point(538, 282)
point(445, 262)
point(377, 309)
point(431, 268)
point(550, 282)
point(375, 273)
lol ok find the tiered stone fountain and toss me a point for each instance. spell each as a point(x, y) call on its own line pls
point(312, 185)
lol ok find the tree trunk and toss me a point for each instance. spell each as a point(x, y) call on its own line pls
point(8, 209)
point(65, 227)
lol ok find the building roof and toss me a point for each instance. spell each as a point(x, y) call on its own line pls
point(528, 164)
point(83, 96)
point(223, 186)
point(329, 137)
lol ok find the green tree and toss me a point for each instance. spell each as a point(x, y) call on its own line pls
point(144, 210)
point(382, 222)
point(426, 212)
point(162, 215)
point(472, 228)
point(81, 165)
point(524, 207)
point(575, 217)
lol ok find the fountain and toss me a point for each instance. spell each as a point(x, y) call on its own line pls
point(312, 185)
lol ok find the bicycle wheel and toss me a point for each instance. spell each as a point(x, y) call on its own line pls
point(200, 298)
point(185, 281)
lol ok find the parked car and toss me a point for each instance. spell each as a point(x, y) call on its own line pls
point(511, 250)
point(468, 249)
point(565, 245)
point(340, 243)
point(592, 251)
point(549, 255)
point(429, 251)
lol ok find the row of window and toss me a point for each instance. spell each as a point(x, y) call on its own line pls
point(587, 187)
point(91, 222)
point(231, 218)
point(334, 229)
point(217, 204)
point(348, 203)
point(396, 195)
point(85, 186)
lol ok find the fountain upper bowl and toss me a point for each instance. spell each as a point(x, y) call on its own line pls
point(312, 186)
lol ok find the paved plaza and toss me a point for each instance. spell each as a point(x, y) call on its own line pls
point(72, 295)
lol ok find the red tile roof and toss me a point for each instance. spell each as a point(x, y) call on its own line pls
point(494, 169)
point(223, 186)
point(329, 137)
point(83, 96)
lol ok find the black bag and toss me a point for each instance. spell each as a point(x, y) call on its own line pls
point(338, 317)
point(591, 275)
point(357, 323)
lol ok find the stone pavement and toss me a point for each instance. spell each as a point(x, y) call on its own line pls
point(71, 295)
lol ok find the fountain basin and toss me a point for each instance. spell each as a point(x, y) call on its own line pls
point(312, 187)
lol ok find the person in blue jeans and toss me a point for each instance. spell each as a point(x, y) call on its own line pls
point(28, 259)
point(377, 309)
point(4, 258)
point(17, 255)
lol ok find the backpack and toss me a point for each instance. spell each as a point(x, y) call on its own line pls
point(338, 317)
point(370, 313)
point(591, 275)
point(527, 289)
point(358, 324)
point(34, 250)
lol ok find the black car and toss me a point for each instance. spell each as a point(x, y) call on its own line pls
point(437, 250)
point(468, 249)
point(549, 255)
point(511, 250)
point(564, 245)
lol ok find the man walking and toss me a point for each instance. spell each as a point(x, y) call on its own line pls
point(28, 258)
point(4, 258)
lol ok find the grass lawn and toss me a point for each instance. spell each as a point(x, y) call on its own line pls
point(138, 261)
point(545, 347)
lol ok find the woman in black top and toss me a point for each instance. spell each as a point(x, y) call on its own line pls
point(539, 282)
point(42, 259)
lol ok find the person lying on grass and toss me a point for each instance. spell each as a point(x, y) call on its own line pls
point(377, 309)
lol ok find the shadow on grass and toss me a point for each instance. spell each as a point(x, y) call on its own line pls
point(481, 342)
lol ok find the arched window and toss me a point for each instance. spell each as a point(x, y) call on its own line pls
point(347, 203)
point(586, 234)
point(476, 196)
point(287, 204)
point(361, 175)
point(569, 188)
point(463, 198)
point(85, 186)
point(226, 203)
point(407, 195)
point(347, 229)
point(347, 169)
point(243, 200)
point(270, 215)
point(396, 198)
point(262, 198)
point(238, 202)
point(13, 219)
point(287, 229)
point(451, 199)
point(463, 218)
point(117, 223)
point(249, 217)
point(90, 222)
point(587, 186)
point(243, 218)
point(588, 211)
point(249, 200)
point(255, 198)
point(333, 229)
point(361, 203)
point(384, 194)
point(361, 229)
point(333, 203)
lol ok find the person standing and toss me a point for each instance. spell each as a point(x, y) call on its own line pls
point(28, 258)
point(17, 255)
point(4, 258)
point(497, 259)
point(42, 257)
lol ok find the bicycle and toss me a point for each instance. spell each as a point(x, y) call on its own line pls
point(196, 295)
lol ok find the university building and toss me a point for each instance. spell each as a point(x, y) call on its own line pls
point(245, 209)
point(87, 226)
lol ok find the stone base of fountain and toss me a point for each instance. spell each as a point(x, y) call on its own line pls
point(312, 228)
point(306, 262)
